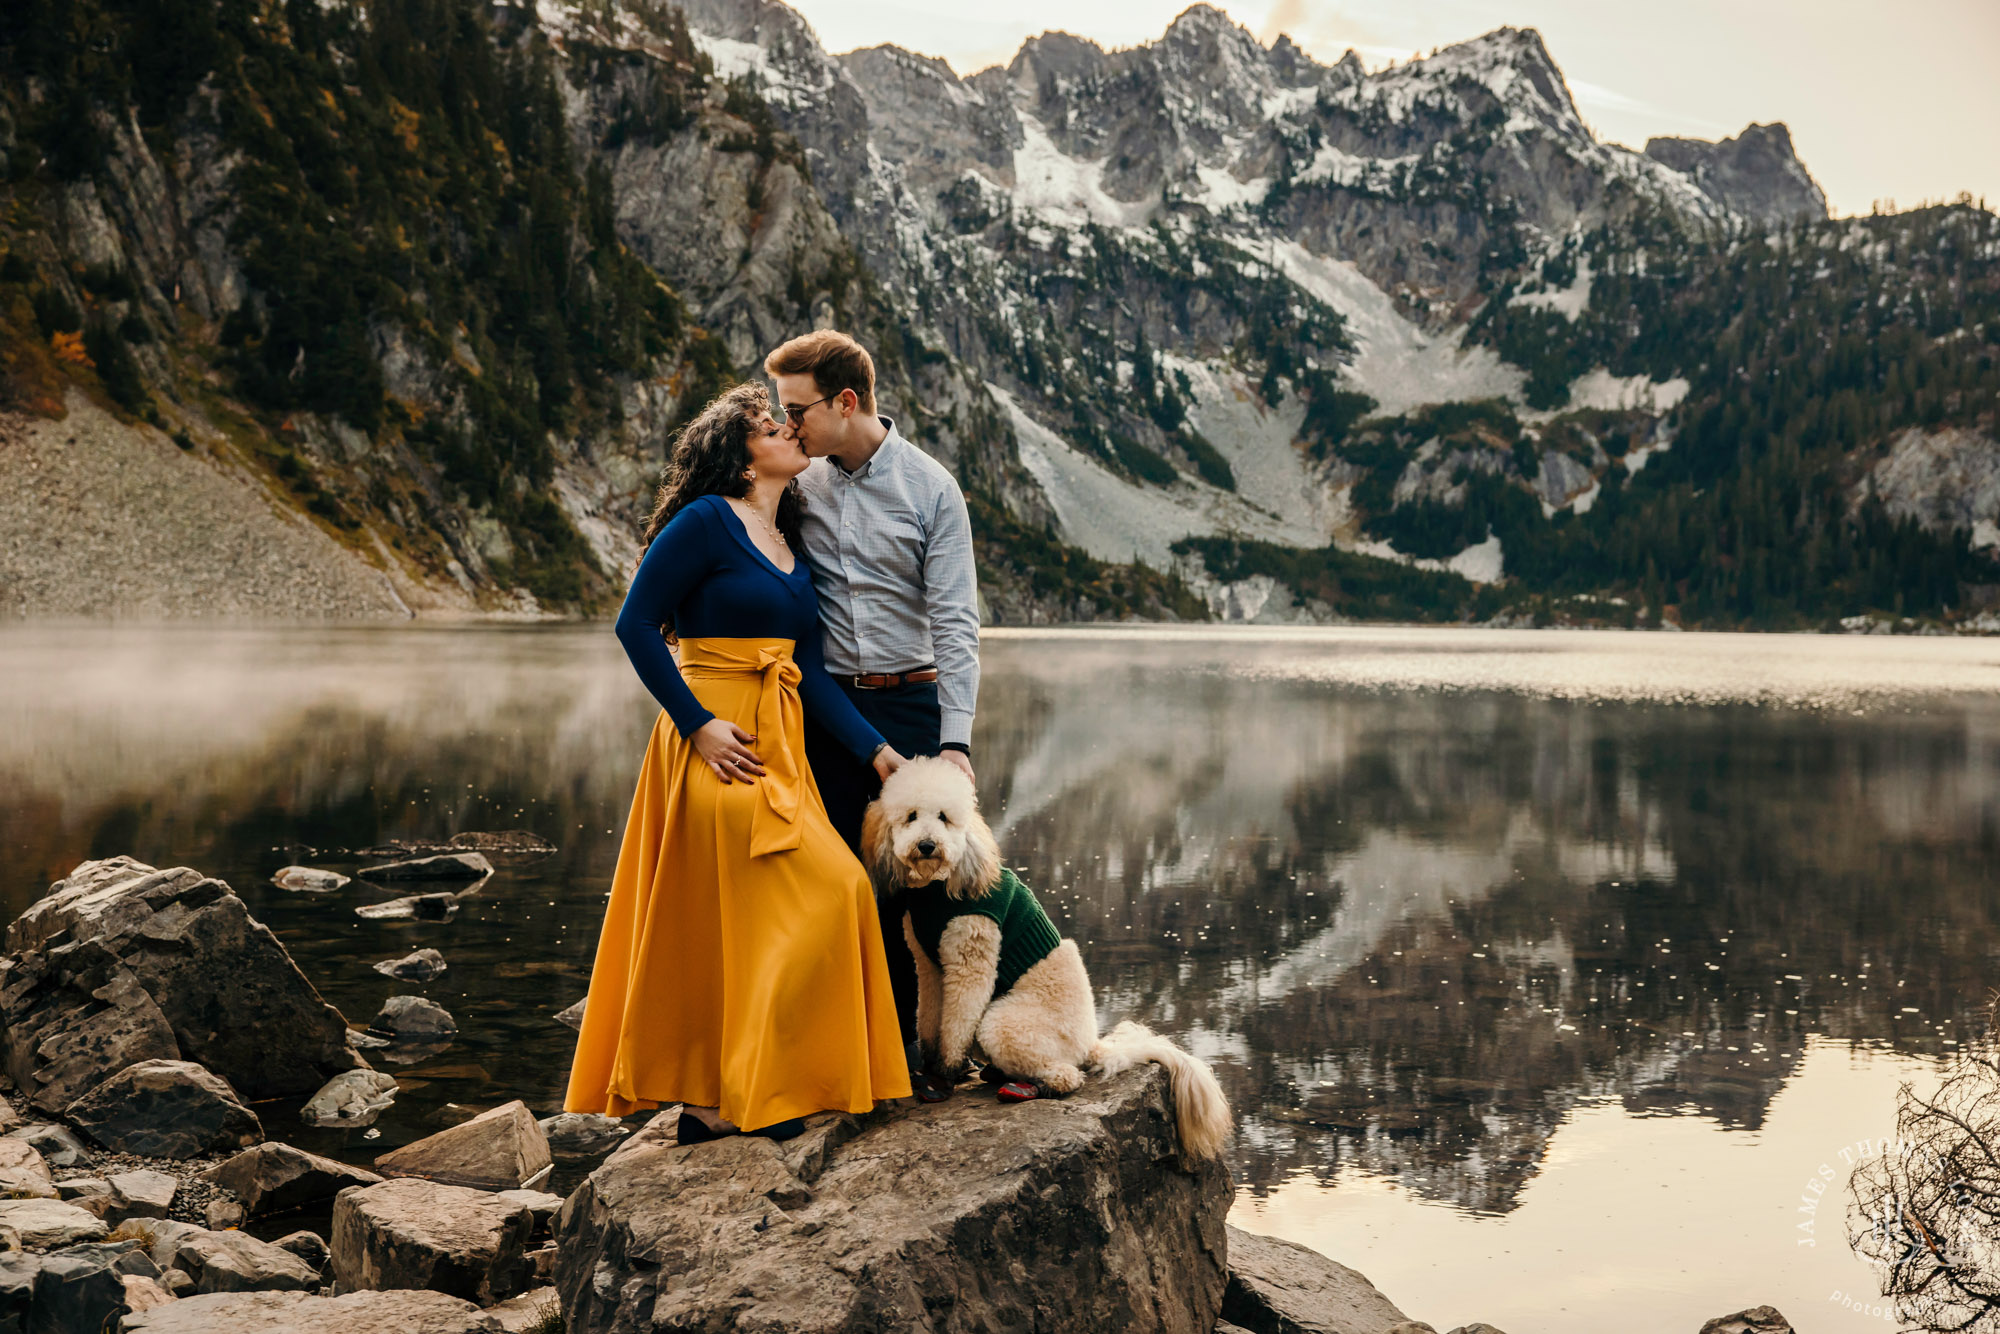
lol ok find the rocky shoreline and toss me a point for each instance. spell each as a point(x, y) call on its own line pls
point(132, 1159)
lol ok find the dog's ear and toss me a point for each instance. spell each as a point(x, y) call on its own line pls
point(877, 852)
point(979, 872)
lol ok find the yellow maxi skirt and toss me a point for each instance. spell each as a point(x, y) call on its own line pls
point(741, 961)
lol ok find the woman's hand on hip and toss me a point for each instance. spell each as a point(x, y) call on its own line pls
point(886, 762)
point(725, 747)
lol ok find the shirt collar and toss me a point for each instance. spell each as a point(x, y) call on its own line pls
point(884, 454)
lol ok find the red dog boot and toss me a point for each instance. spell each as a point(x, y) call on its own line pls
point(929, 1088)
point(1020, 1090)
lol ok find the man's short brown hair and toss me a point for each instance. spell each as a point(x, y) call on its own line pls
point(834, 361)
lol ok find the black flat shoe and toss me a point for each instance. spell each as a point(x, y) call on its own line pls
point(692, 1129)
point(780, 1130)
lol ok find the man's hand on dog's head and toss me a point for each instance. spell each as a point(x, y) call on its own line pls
point(959, 759)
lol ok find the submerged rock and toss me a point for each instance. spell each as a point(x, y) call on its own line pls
point(355, 1098)
point(444, 866)
point(510, 842)
point(1277, 1285)
point(165, 1109)
point(417, 907)
point(503, 1149)
point(309, 879)
point(969, 1206)
point(276, 1178)
point(299, 1313)
point(418, 966)
point(420, 1234)
point(413, 1016)
point(121, 962)
point(1756, 1320)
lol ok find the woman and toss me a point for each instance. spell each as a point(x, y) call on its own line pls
point(740, 971)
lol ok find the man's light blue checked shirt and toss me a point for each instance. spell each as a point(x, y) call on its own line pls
point(891, 553)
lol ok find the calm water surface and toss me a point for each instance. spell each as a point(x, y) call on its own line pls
point(1545, 970)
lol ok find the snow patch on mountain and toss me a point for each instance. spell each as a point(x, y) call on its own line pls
point(1063, 189)
point(1398, 365)
point(1481, 563)
point(1117, 520)
point(1599, 388)
point(1568, 302)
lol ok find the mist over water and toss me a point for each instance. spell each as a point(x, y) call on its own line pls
point(1542, 968)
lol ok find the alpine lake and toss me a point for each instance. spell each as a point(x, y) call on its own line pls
point(1547, 971)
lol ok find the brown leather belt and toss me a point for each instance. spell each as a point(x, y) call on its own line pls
point(889, 680)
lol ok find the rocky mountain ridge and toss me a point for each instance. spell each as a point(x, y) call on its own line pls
point(1141, 301)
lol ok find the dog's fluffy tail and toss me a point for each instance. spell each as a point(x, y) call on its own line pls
point(1199, 1104)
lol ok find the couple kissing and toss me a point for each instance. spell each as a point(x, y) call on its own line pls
point(815, 570)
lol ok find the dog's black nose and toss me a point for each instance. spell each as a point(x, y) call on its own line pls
point(927, 849)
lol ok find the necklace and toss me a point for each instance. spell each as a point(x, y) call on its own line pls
point(776, 536)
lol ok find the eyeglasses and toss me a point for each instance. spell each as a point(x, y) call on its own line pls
point(787, 411)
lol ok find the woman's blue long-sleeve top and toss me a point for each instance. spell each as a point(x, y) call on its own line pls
point(704, 575)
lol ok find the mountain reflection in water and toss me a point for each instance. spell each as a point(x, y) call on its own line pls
point(1416, 929)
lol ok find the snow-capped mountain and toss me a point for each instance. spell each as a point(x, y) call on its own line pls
point(1252, 220)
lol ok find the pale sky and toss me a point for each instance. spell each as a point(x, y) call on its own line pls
point(1885, 100)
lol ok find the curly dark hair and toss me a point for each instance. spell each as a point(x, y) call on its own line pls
point(709, 458)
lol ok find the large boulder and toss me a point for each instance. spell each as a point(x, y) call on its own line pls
point(503, 1149)
point(409, 1233)
point(298, 1313)
point(48, 1223)
point(238, 1262)
point(275, 1178)
point(84, 1288)
point(165, 1109)
point(1073, 1214)
point(1756, 1320)
point(120, 963)
point(1281, 1287)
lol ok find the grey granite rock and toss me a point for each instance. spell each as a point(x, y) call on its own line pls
point(1756, 174)
point(418, 966)
point(421, 1234)
point(413, 1016)
point(58, 1147)
point(582, 1134)
point(23, 1173)
point(417, 907)
point(1281, 1287)
point(274, 1178)
point(444, 866)
point(121, 962)
point(353, 1098)
point(165, 1109)
point(878, 1222)
point(239, 1262)
point(301, 1313)
point(49, 1223)
point(141, 1194)
point(502, 1149)
point(1756, 1320)
point(309, 879)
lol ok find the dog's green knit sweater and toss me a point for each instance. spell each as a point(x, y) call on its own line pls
point(1027, 936)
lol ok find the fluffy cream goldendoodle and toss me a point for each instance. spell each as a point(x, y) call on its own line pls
point(991, 969)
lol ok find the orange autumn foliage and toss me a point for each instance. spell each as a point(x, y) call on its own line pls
point(69, 347)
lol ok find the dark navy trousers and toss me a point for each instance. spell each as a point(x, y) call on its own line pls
point(907, 717)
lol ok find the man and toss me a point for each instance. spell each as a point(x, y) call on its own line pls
point(890, 548)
